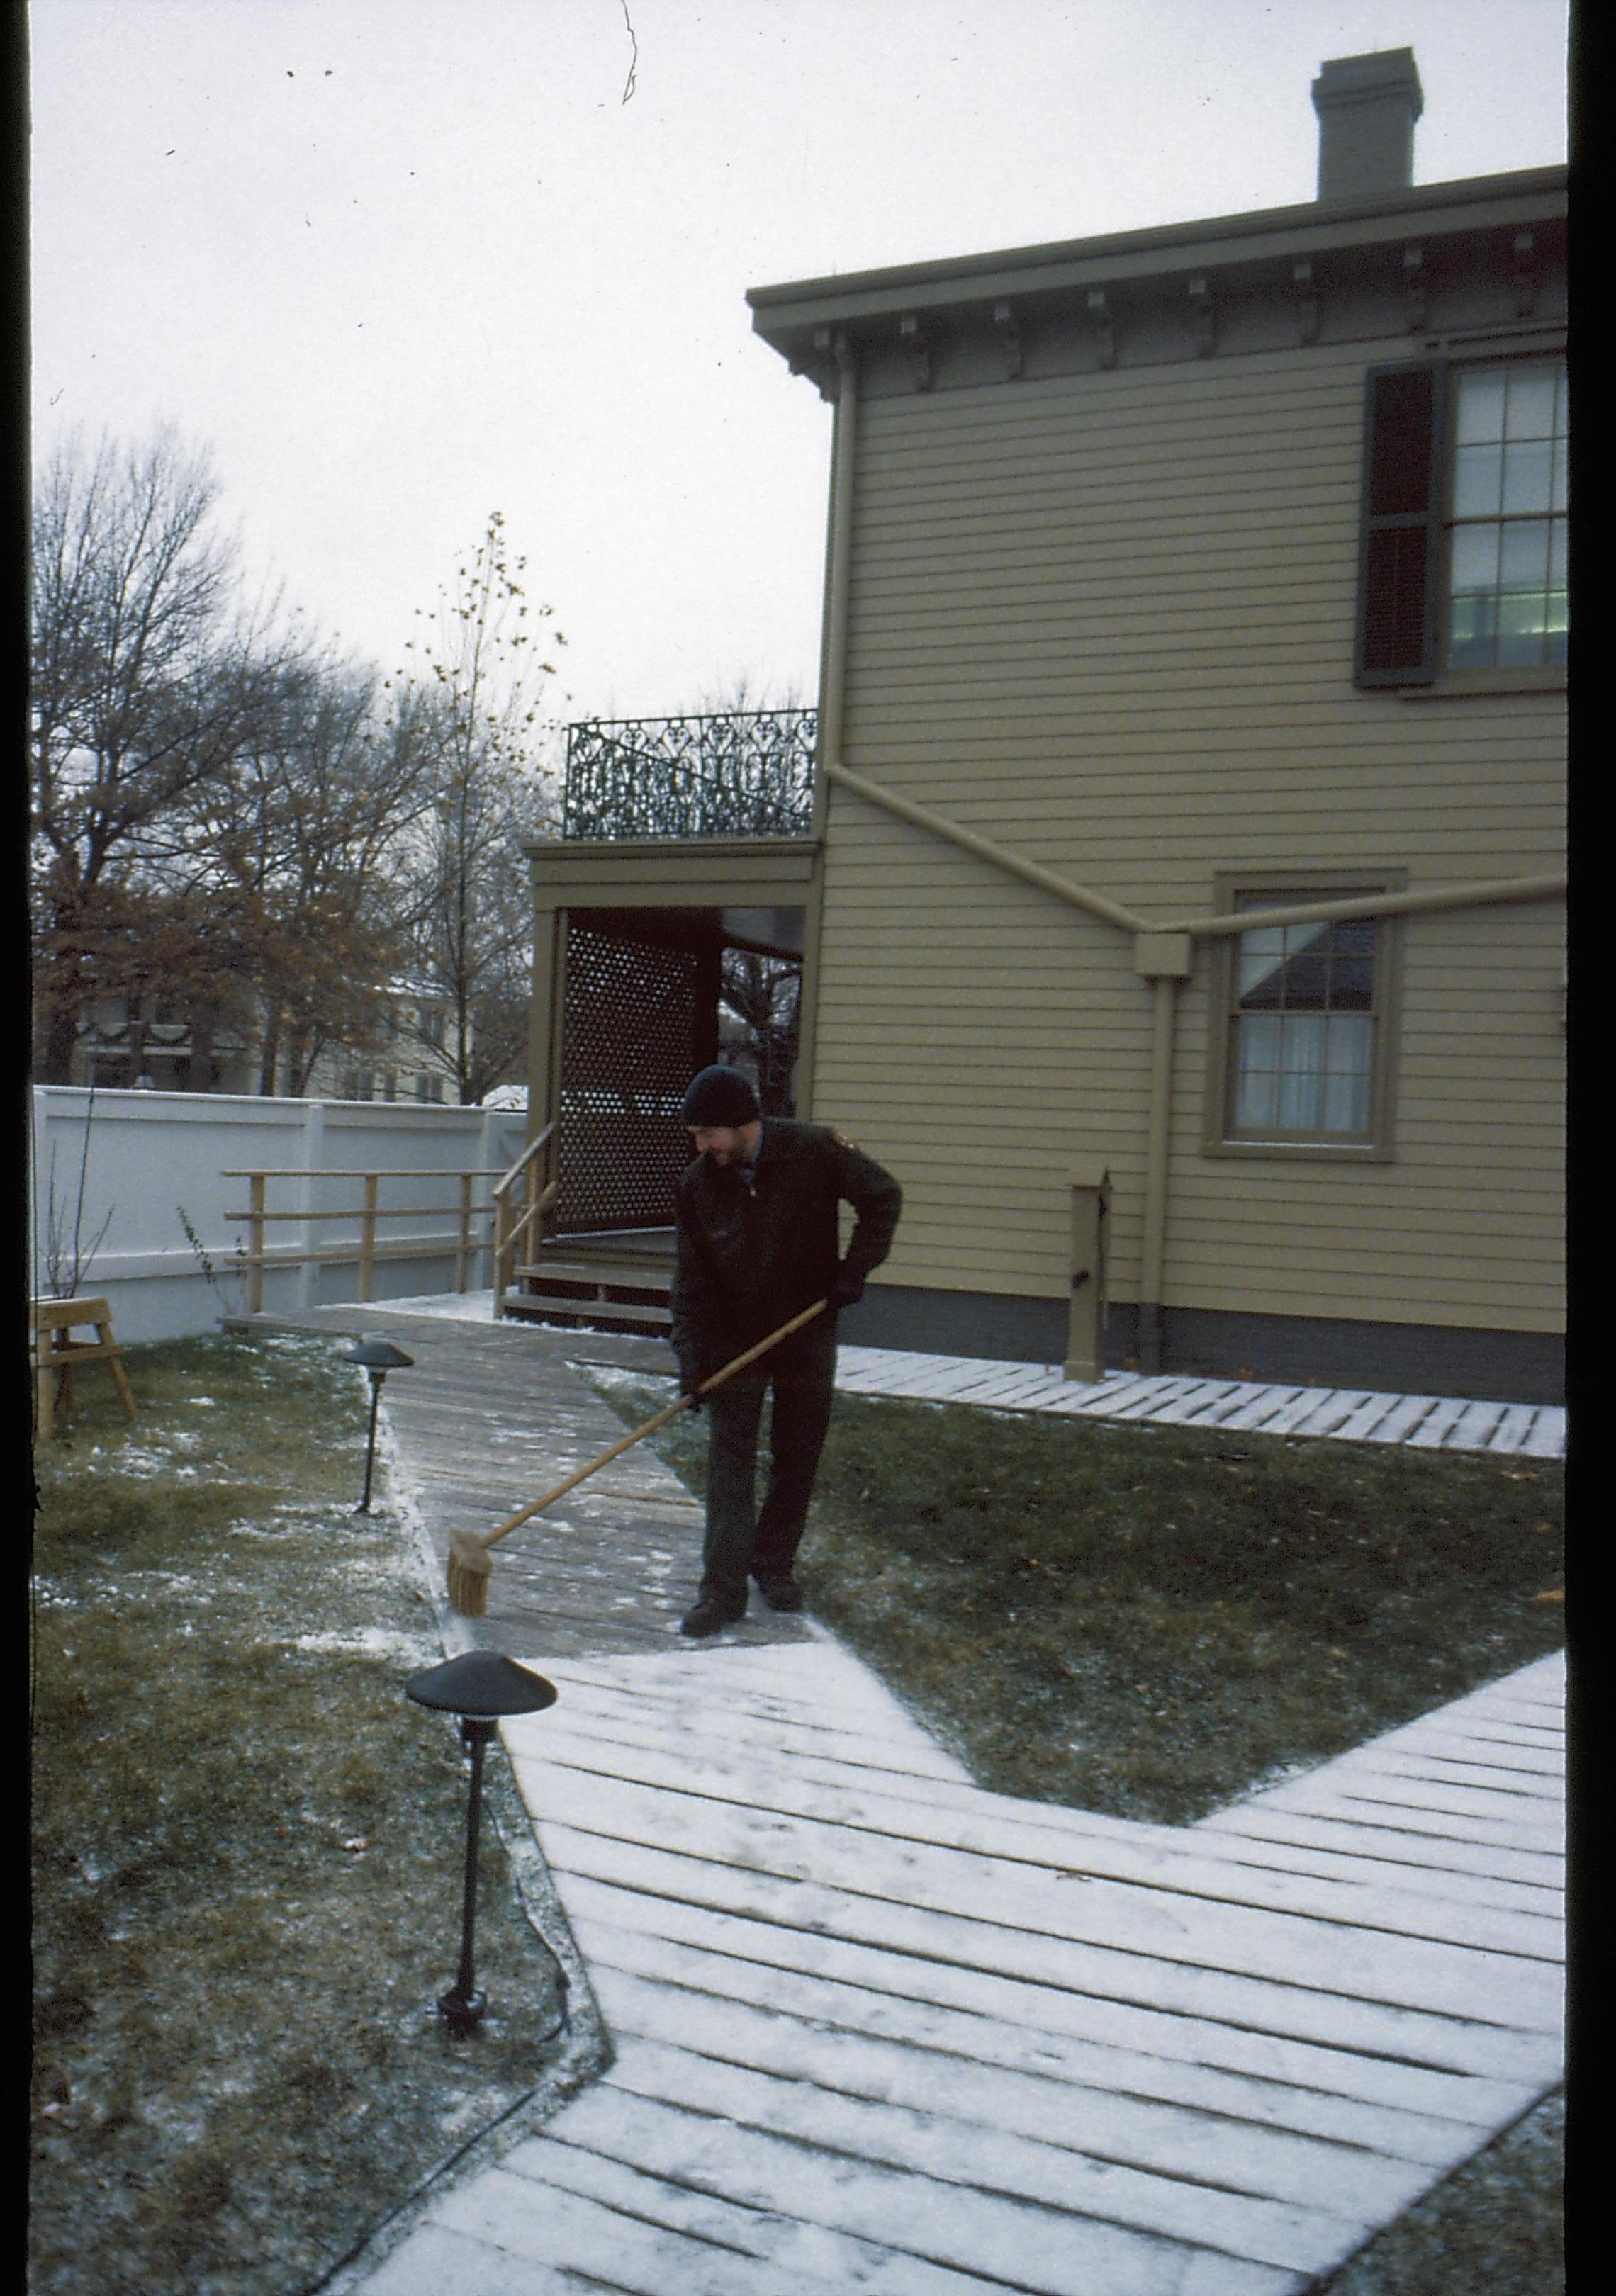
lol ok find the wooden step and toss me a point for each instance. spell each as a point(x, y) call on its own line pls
point(625, 1276)
point(597, 1315)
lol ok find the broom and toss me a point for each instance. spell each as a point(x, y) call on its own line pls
point(470, 1568)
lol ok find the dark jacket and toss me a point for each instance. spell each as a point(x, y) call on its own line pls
point(748, 1260)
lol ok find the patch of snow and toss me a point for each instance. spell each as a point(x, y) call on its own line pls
point(371, 1642)
point(455, 1307)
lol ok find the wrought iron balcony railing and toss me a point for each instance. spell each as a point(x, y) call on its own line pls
point(741, 774)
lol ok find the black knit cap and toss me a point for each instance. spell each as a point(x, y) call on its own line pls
point(719, 1097)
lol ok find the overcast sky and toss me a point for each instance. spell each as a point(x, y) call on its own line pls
point(399, 263)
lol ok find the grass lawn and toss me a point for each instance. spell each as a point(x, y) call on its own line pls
point(1152, 1620)
point(248, 1844)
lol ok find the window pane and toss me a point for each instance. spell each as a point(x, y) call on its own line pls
point(1261, 960)
point(1475, 558)
point(1522, 626)
point(1529, 408)
point(1556, 553)
point(1308, 968)
point(1352, 967)
point(1527, 476)
point(1346, 1095)
point(1480, 413)
point(1478, 481)
point(1558, 483)
point(1525, 557)
point(1472, 631)
point(1256, 1081)
point(1302, 1084)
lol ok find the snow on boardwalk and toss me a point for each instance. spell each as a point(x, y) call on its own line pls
point(1350, 1414)
point(878, 2030)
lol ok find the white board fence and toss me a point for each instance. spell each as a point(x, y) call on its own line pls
point(131, 1168)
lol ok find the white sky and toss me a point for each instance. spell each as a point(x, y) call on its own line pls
point(403, 262)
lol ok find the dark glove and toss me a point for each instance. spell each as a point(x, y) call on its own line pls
point(847, 1290)
point(691, 1376)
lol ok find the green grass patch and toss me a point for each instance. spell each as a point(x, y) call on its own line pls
point(248, 1844)
point(1495, 2227)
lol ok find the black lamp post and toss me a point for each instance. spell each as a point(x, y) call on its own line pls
point(479, 1687)
point(379, 1356)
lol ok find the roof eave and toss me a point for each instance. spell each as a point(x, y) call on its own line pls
point(781, 314)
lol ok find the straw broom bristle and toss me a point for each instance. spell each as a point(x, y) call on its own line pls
point(470, 1568)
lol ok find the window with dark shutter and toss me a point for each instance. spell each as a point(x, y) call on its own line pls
point(1397, 620)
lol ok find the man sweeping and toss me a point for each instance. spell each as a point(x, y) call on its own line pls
point(757, 1241)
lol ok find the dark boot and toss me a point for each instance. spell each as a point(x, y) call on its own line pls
point(710, 1615)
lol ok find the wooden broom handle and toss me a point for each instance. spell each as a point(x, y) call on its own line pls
point(672, 1411)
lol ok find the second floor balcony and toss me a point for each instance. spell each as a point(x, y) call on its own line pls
point(734, 774)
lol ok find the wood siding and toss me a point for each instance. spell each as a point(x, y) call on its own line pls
point(1107, 620)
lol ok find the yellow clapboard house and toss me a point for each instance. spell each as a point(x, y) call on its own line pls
point(1179, 895)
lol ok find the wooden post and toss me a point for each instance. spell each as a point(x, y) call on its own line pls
point(462, 1256)
point(502, 1251)
point(367, 1235)
point(255, 1260)
point(1086, 1329)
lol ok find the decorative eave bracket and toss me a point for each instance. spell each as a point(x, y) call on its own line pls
point(1523, 247)
point(1204, 316)
point(1010, 339)
point(913, 335)
point(1103, 320)
point(1416, 288)
point(1305, 287)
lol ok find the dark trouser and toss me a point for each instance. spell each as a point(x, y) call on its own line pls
point(740, 1539)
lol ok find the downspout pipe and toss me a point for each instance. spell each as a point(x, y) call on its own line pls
point(832, 685)
point(839, 559)
point(1153, 1251)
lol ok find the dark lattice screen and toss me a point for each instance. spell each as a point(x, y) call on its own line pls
point(633, 1036)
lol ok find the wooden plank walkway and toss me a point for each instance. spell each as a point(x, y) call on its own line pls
point(876, 2029)
point(489, 1415)
point(1243, 1407)
point(1349, 1415)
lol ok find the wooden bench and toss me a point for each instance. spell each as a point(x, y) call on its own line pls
point(56, 1351)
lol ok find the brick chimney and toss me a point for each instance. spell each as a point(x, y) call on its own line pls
point(1367, 108)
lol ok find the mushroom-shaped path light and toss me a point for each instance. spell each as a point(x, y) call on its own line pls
point(481, 1686)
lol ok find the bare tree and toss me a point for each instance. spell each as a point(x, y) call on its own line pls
point(470, 910)
point(292, 850)
point(146, 678)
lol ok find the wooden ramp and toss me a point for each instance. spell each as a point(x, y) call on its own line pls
point(878, 2030)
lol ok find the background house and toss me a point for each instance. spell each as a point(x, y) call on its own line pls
point(1186, 854)
point(152, 1043)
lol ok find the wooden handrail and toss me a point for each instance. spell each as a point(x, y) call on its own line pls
point(538, 1140)
point(354, 1172)
point(382, 1211)
point(507, 1229)
point(367, 1252)
point(541, 1203)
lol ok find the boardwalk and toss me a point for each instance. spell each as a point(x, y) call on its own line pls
point(876, 2029)
point(1236, 1407)
point(1245, 1407)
